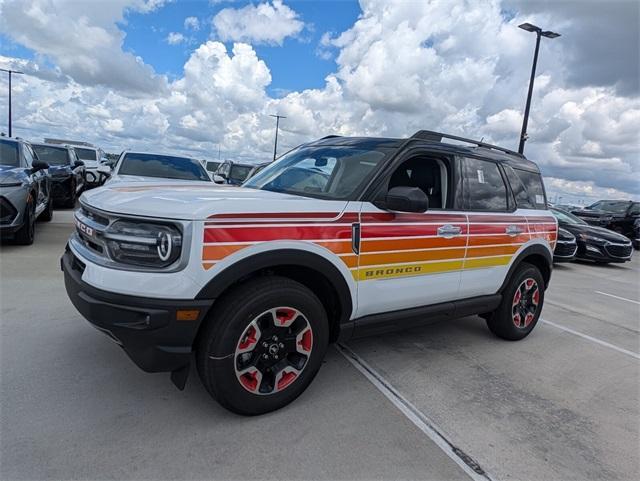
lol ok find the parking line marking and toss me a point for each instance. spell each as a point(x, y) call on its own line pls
point(592, 339)
point(617, 297)
point(419, 419)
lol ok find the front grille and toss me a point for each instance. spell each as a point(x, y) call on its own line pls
point(7, 211)
point(565, 249)
point(94, 216)
point(618, 250)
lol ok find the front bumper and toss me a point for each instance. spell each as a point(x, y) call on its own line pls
point(147, 329)
point(604, 252)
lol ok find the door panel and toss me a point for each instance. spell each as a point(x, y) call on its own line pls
point(408, 260)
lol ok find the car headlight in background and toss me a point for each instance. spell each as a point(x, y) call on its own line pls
point(592, 238)
point(143, 244)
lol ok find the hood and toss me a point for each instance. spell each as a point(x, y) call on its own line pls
point(55, 170)
point(90, 163)
point(606, 234)
point(11, 175)
point(194, 200)
point(135, 179)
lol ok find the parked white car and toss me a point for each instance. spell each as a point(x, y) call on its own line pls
point(151, 167)
point(338, 238)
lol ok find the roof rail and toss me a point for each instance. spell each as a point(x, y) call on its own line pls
point(438, 136)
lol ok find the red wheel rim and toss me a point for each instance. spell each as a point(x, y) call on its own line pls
point(273, 350)
point(525, 303)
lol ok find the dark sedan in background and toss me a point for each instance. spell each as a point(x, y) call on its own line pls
point(615, 215)
point(67, 172)
point(594, 243)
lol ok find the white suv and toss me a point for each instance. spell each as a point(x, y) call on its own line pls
point(339, 238)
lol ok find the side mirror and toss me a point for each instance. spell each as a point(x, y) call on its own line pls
point(404, 199)
point(218, 179)
point(37, 165)
point(78, 163)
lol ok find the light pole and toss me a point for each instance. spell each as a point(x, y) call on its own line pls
point(10, 72)
point(539, 33)
point(275, 145)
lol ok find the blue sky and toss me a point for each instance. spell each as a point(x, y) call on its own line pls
point(294, 65)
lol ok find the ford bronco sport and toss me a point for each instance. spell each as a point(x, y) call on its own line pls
point(338, 238)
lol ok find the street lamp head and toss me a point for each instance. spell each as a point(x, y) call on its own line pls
point(529, 27)
point(550, 34)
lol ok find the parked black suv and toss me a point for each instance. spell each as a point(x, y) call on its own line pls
point(615, 215)
point(66, 169)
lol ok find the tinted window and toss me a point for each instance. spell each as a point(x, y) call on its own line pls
point(164, 166)
point(635, 209)
point(239, 172)
point(483, 187)
point(533, 185)
point(567, 218)
point(9, 153)
point(322, 172)
point(615, 206)
point(519, 192)
point(86, 154)
point(51, 155)
point(28, 154)
point(213, 166)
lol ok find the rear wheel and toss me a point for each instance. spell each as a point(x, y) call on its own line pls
point(521, 304)
point(26, 233)
point(263, 345)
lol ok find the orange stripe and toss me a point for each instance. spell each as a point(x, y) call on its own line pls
point(497, 239)
point(350, 261)
point(214, 253)
point(417, 256)
point(337, 247)
point(402, 244)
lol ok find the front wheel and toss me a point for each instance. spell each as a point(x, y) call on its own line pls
point(521, 305)
point(262, 345)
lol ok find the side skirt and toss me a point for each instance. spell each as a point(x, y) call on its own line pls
point(376, 324)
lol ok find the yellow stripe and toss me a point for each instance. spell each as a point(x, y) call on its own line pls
point(486, 262)
point(405, 270)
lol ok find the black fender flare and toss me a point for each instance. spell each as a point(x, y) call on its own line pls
point(278, 258)
point(537, 250)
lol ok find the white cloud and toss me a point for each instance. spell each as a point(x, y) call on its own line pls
point(82, 39)
point(175, 38)
point(268, 23)
point(191, 23)
point(402, 66)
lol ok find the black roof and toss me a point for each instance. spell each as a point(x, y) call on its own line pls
point(437, 140)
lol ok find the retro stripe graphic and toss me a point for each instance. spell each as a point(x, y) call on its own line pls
point(392, 245)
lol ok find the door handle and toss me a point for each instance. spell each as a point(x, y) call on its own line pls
point(447, 231)
point(513, 230)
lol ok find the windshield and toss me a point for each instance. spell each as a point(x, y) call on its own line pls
point(9, 153)
point(239, 172)
point(164, 166)
point(324, 172)
point(52, 155)
point(567, 218)
point(615, 206)
point(86, 154)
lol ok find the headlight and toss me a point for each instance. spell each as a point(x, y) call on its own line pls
point(592, 238)
point(143, 244)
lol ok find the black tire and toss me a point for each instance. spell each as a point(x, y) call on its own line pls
point(47, 213)
point(508, 321)
point(227, 328)
point(25, 235)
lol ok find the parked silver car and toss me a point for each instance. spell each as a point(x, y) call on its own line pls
point(25, 190)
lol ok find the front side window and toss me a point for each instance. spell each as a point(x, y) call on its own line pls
point(239, 173)
point(212, 166)
point(163, 166)
point(51, 155)
point(28, 155)
point(327, 172)
point(483, 187)
point(9, 153)
point(427, 174)
point(86, 154)
point(635, 209)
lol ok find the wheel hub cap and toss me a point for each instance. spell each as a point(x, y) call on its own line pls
point(525, 303)
point(273, 350)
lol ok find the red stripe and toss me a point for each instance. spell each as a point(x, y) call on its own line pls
point(498, 229)
point(369, 231)
point(267, 233)
point(486, 219)
point(429, 217)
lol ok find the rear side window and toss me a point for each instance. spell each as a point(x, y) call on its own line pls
point(483, 187)
point(532, 182)
point(519, 191)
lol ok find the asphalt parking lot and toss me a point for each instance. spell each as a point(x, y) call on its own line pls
point(562, 404)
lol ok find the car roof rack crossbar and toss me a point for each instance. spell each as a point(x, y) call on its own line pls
point(438, 136)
